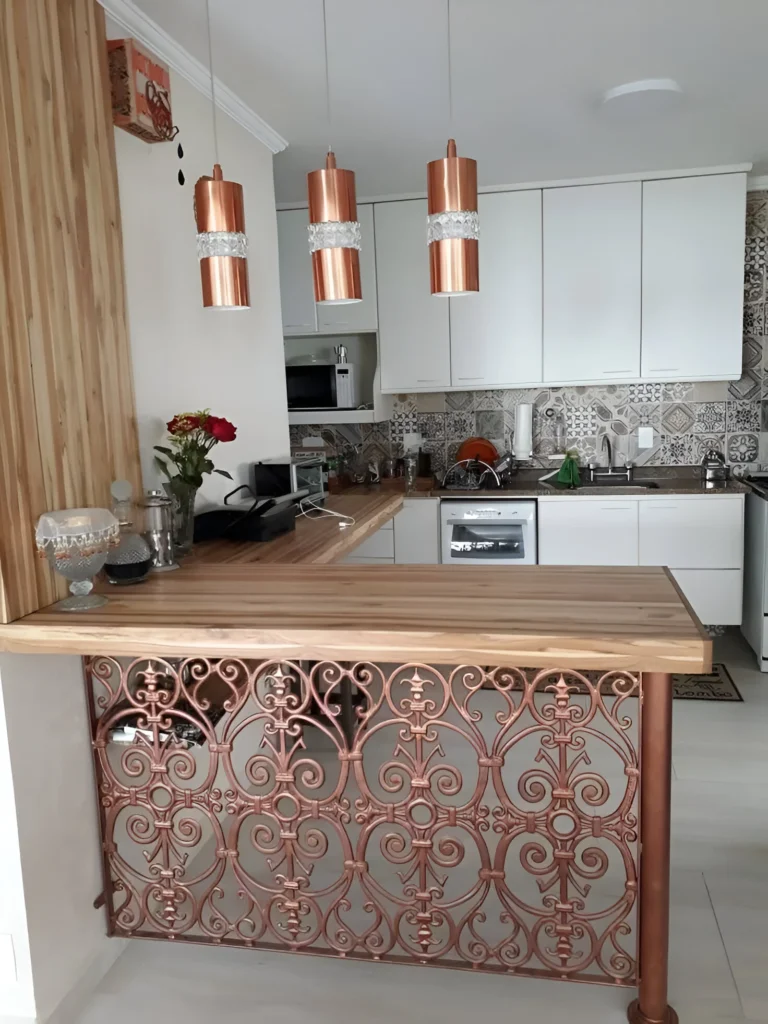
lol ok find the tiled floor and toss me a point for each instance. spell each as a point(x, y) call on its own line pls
point(719, 921)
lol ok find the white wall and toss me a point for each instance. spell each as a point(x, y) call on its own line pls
point(58, 837)
point(186, 357)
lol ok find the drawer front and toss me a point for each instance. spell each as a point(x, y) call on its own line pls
point(379, 545)
point(580, 531)
point(693, 533)
point(714, 594)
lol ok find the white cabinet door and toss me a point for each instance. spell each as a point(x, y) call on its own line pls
point(587, 531)
point(417, 532)
point(592, 246)
point(714, 594)
point(693, 266)
point(705, 532)
point(414, 339)
point(296, 292)
point(356, 316)
point(496, 333)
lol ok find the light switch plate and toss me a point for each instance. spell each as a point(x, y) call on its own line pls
point(645, 437)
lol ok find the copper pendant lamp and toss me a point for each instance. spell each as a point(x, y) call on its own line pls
point(222, 245)
point(334, 230)
point(453, 225)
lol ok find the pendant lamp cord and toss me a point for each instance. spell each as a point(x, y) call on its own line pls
point(327, 77)
point(450, 75)
point(213, 81)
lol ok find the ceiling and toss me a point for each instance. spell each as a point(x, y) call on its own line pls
point(527, 77)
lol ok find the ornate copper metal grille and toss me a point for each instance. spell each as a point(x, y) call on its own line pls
point(466, 817)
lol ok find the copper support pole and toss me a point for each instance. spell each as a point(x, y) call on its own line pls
point(651, 1006)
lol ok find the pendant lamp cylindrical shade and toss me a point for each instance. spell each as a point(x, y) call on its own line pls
point(334, 234)
point(222, 245)
point(452, 224)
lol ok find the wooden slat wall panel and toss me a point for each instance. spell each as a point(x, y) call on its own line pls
point(67, 412)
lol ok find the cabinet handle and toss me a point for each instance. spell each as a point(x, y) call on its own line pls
point(664, 369)
point(470, 378)
point(625, 372)
point(427, 380)
point(654, 505)
point(615, 508)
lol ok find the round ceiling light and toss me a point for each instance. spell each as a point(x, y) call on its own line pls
point(647, 96)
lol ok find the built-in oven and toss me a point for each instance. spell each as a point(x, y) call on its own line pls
point(500, 532)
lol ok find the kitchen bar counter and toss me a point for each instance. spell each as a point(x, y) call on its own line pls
point(631, 618)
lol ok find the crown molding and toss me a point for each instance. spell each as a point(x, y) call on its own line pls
point(141, 27)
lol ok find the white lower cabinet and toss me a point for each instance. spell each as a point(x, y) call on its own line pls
point(714, 594)
point(587, 531)
point(411, 538)
point(417, 527)
point(700, 538)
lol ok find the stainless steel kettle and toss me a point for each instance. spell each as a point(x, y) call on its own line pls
point(713, 468)
point(341, 353)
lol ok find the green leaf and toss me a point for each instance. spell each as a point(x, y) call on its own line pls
point(164, 451)
point(223, 472)
point(163, 467)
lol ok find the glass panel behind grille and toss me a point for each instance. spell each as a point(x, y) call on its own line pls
point(487, 540)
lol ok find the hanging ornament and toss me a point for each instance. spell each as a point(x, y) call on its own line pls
point(452, 224)
point(222, 245)
point(334, 234)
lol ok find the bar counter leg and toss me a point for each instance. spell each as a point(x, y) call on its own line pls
point(651, 1006)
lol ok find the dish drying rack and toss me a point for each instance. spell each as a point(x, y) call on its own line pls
point(469, 475)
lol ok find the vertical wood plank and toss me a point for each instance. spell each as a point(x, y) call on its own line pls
point(67, 410)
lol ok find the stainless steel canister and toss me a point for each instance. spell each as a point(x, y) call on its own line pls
point(159, 530)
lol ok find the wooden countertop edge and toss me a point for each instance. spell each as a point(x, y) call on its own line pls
point(455, 648)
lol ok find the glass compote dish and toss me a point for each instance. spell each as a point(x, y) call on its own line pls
point(76, 541)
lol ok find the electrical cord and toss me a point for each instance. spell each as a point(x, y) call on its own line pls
point(325, 513)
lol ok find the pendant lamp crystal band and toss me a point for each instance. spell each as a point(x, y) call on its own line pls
point(334, 235)
point(222, 242)
point(453, 226)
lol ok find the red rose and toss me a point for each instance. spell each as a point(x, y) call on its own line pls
point(220, 428)
point(184, 423)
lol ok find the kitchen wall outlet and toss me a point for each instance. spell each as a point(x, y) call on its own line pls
point(645, 437)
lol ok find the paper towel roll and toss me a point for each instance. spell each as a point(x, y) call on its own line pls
point(522, 445)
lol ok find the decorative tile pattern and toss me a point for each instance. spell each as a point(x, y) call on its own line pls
point(754, 252)
point(677, 451)
point(743, 447)
point(460, 425)
point(754, 281)
point(644, 392)
point(459, 401)
point(488, 399)
point(490, 424)
point(754, 318)
point(709, 417)
point(748, 387)
point(742, 416)
point(676, 391)
point(581, 420)
point(431, 426)
point(642, 414)
point(757, 214)
point(430, 401)
point(677, 418)
point(702, 443)
point(752, 352)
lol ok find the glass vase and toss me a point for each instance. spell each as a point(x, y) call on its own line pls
point(183, 496)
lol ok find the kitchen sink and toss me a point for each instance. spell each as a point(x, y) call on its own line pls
point(626, 485)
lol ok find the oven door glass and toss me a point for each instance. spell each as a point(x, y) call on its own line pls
point(311, 387)
point(477, 540)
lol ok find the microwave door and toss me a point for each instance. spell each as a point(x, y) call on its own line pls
point(311, 387)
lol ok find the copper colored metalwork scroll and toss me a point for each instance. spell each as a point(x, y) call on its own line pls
point(468, 824)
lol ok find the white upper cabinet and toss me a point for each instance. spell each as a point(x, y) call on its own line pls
point(496, 334)
point(414, 340)
point(693, 265)
point(296, 294)
point(356, 316)
point(592, 272)
point(300, 314)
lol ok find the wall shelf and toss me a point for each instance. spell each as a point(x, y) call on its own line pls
point(326, 416)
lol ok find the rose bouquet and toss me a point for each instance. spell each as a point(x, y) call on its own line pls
point(186, 459)
point(192, 436)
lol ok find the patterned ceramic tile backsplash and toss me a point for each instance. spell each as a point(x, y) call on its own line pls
point(687, 418)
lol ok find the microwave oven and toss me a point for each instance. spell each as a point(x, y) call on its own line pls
point(278, 478)
point(322, 386)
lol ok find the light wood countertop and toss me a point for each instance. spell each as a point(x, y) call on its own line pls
point(315, 541)
point(532, 616)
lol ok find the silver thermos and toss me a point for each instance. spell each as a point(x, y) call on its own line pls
point(159, 530)
point(341, 353)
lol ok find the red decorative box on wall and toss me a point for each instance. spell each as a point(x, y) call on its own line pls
point(141, 91)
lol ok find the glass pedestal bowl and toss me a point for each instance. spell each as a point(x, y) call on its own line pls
point(76, 542)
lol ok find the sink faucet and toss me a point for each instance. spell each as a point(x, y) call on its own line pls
point(607, 444)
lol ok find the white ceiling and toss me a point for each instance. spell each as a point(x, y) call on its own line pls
point(527, 80)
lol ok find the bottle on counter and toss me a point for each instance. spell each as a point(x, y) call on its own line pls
point(131, 559)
